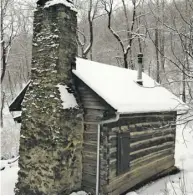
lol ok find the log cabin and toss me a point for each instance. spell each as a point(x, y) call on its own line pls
point(129, 128)
point(129, 120)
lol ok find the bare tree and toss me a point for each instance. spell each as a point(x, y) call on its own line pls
point(156, 33)
point(84, 43)
point(8, 33)
point(130, 33)
point(184, 36)
point(9, 30)
point(16, 22)
point(174, 47)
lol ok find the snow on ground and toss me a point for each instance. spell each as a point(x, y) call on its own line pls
point(181, 183)
point(9, 135)
point(8, 176)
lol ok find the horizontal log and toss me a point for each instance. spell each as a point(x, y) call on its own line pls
point(93, 114)
point(89, 118)
point(89, 98)
point(86, 94)
point(151, 142)
point(145, 137)
point(131, 178)
point(87, 185)
point(113, 150)
point(93, 111)
point(90, 106)
point(137, 123)
point(142, 131)
point(154, 154)
point(146, 175)
point(140, 161)
point(103, 174)
point(83, 89)
point(137, 143)
point(152, 147)
point(92, 161)
point(89, 127)
point(90, 146)
point(150, 114)
point(90, 136)
point(156, 157)
point(94, 104)
point(152, 132)
point(147, 146)
point(113, 162)
point(147, 151)
point(154, 127)
point(92, 179)
point(90, 169)
point(89, 153)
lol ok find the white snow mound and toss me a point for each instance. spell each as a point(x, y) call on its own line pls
point(64, 2)
point(68, 99)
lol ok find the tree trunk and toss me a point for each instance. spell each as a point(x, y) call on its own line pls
point(183, 85)
point(157, 55)
point(125, 61)
point(2, 106)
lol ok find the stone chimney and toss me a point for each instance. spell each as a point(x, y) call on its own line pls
point(52, 131)
point(140, 69)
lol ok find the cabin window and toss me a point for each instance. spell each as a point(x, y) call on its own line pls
point(123, 149)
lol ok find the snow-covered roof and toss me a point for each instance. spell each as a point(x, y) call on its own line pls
point(118, 87)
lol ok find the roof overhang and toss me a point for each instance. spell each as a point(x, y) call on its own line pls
point(16, 103)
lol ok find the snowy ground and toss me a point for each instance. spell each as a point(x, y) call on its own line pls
point(8, 176)
point(181, 183)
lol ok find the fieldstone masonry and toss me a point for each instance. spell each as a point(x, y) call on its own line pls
point(51, 136)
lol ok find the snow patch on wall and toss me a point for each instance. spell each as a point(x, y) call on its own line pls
point(64, 2)
point(68, 99)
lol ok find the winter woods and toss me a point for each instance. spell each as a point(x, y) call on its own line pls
point(112, 32)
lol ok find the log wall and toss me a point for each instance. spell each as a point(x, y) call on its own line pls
point(95, 110)
point(152, 144)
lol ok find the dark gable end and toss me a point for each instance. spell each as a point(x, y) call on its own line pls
point(91, 99)
point(16, 103)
